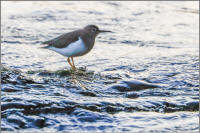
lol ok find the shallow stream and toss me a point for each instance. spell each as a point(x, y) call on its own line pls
point(143, 77)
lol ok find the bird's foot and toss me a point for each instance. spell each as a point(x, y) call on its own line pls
point(73, 68)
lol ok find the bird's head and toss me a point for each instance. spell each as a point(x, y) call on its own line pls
point(93, 30)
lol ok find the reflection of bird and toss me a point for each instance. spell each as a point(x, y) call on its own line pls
point(75, 43)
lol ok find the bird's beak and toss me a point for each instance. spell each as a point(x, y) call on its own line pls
point(101, 31)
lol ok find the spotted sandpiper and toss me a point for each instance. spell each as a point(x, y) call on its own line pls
point(75, 43)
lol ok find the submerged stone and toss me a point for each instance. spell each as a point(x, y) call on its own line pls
point(132, 95)
point(87, 93)
point(132, 85)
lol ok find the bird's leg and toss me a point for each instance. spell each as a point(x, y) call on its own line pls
point(73, 63)
point(68, 60)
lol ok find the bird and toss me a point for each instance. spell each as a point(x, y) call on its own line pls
point(75, 43)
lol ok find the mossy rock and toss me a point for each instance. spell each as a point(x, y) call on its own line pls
point(6, 69)
point(63, 72)
point(78, 72)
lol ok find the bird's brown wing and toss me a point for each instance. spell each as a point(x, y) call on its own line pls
point(63, 40)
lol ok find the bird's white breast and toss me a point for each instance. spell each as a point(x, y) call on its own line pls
point(72, 49)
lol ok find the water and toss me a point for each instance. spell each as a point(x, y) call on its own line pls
point(152, 42)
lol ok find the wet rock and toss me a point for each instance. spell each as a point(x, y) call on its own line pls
point(192, 106)
point(92, 108)
point(63, 72)
point(139, 85)
point(14, 76)
point(130, 109)
point(109, 81)
point(7, 128)
point(45, 73)
point(25, 80)
point(169, 107)
point(16, 105)
point(62, 127)
point(115, 76)
point(4, 78)
point(10, 88)
point(88, 116)
point(87, 93)
point(131, 95)
point(48, 110)
point(132, 85)
point(110, 69)
point(17, 120)
point(112, 109)
point(121, 87)
point(83, 72)
point(6, 69)
point(82, 68)
point(8, 78)
point(40, 122)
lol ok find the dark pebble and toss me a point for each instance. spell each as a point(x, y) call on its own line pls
point(40, 122)
point(87, 93)
point(111, 109)
point(121, 87)
point(92, 108)
point(132, 95)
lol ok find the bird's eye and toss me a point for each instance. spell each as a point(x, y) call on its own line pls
point(93, 29)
